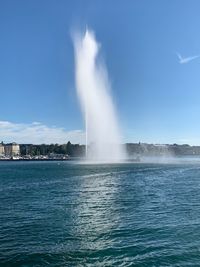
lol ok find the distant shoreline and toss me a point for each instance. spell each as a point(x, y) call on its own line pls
point(36, 159)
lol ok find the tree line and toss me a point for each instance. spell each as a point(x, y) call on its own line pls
point(72, 150)
point(133, 149)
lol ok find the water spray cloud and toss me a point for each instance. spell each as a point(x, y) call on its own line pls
point(93, 89)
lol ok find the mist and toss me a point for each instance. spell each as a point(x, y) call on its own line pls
point(103, 135)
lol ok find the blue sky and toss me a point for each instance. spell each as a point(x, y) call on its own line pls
point(157, 97)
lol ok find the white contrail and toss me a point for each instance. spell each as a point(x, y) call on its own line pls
point(183, 60)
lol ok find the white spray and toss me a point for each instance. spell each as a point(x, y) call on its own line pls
point(103, 140)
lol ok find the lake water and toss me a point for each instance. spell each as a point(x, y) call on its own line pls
point(64, 214)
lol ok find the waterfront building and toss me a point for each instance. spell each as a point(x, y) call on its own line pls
point(11, 150)
point(2, 152)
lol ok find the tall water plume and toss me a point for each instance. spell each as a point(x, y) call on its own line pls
point(103, 140)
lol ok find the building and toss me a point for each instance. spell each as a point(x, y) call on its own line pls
point(11, 150)
point(2, 152)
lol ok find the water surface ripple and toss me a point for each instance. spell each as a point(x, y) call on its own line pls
point(62, 214)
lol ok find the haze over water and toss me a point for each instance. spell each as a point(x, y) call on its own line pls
point(93, 87)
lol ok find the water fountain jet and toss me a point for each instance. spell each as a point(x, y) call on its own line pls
point(103, 138)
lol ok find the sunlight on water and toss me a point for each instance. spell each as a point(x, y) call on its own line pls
point(99, 215)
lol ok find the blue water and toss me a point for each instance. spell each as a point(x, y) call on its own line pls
point(62, 214)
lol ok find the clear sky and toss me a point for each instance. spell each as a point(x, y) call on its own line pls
point(157, 94)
